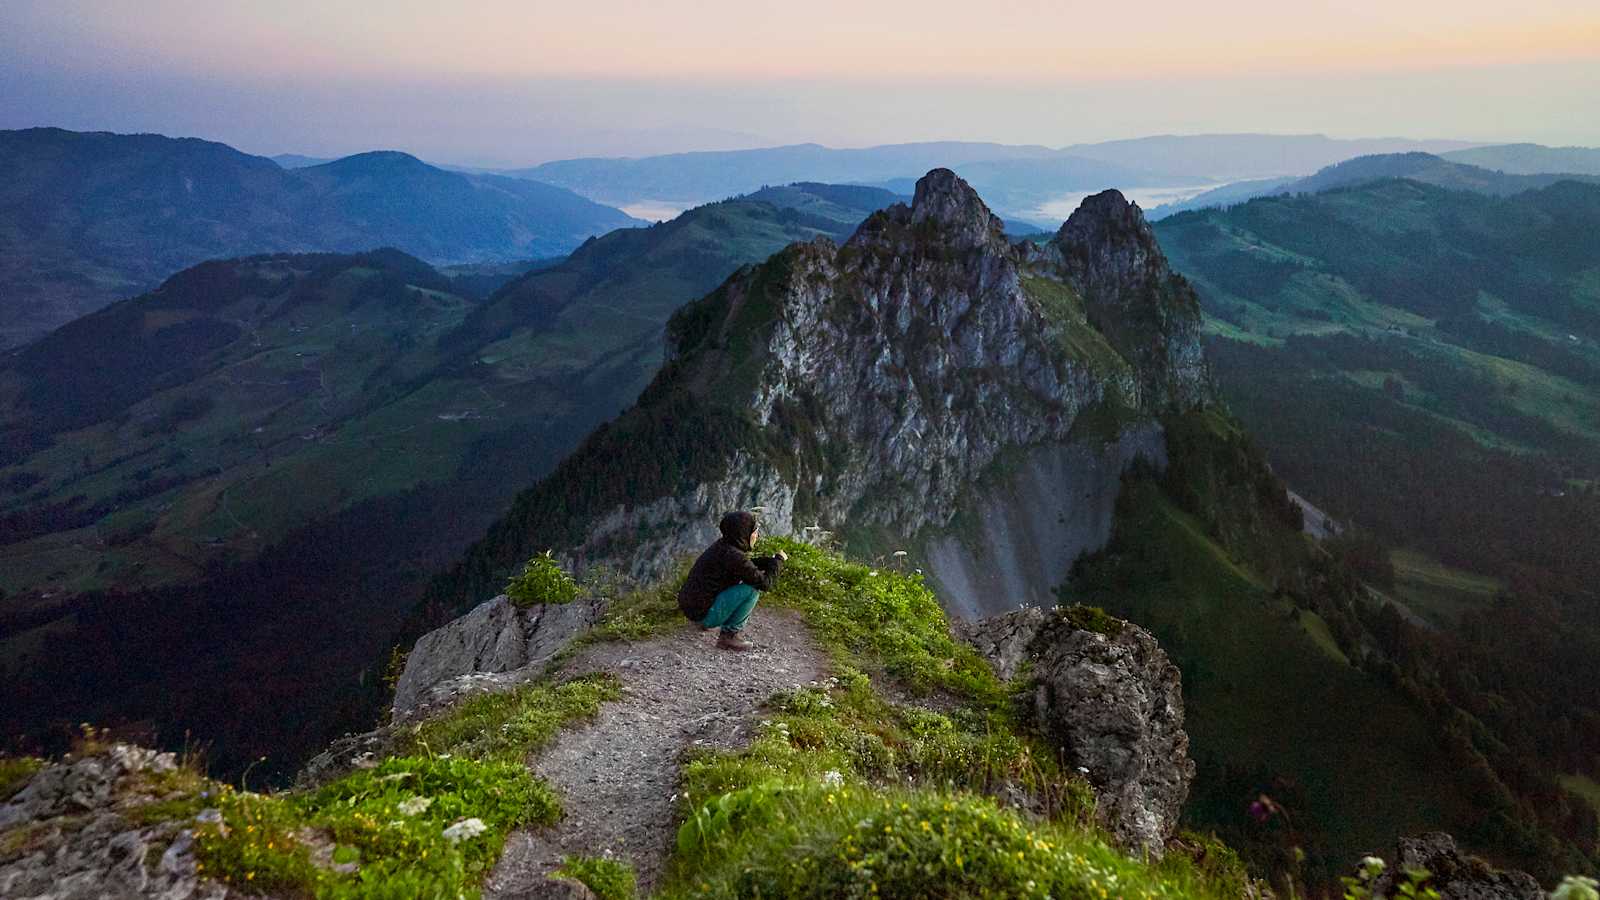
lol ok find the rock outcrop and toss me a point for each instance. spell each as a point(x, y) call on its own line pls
point(69, 835)
point(1455, 875)
point(494, 638)
point(1112, 702)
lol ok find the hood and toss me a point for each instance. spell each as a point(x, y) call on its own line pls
point(737, 527)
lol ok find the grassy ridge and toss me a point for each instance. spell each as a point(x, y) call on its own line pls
point(845, 791)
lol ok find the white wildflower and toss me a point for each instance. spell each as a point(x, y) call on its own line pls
point(466, 829)
point(832, 778)
point(415, 805)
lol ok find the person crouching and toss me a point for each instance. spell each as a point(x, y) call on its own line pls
point(725, 583)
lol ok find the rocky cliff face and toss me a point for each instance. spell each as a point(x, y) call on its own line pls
point(881, 386)
point(1110, 700)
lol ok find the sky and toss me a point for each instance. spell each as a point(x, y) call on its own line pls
point(517, 82)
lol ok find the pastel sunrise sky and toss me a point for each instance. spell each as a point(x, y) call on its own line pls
point(512, 82)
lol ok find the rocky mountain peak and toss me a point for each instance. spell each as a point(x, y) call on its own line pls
point(873, 386)
point(1108, 253)
point(1109, 244)
point(946, 200)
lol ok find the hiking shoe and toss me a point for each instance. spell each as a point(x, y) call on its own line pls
point(706, 627)
point(731, 641)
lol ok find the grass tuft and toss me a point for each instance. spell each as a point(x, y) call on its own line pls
point(542, 581)
point(507, 726)
point(1092, 618)
point(608, 878)
point(16, 772)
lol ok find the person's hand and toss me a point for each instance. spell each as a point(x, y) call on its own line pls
point(782, 555)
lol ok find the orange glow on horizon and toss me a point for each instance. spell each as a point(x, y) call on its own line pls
point(1026, 40)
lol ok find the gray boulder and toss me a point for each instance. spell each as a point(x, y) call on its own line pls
point(476, 651)
point(1456, 876)
point(67, 838)
point(1112, 703)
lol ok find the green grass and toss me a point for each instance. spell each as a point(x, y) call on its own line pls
point(607, 878)
point(1584, 788)
point(845, 793)
point(792, 839)
point(507, 726)
point(1437, 591)
point(1080, 340)
point(394, 823)
point(541, 582)
point(1316, 628)
point(887, 617)
point(15, 773)
point(427, 821)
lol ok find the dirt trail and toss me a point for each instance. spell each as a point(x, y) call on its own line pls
point(618, 775)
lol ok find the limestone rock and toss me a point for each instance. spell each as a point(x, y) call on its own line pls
point(67, 837)
point(1004, 640)
point(1456, 876)
point(495, 637)
point(1113, 705)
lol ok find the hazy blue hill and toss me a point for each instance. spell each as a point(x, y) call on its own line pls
point(1227, 195)
point(1016, 179)
point(1022, 184)
point(297, 161)
point(828, 199)
point(1530, 159)
point(1242, 156)
point(308, 437)
point(394, 199)
point(1426, 168)
point(1415, 166)
point(691, 176)
point(86, 219)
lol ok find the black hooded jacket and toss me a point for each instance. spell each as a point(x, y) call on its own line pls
point(725, 564)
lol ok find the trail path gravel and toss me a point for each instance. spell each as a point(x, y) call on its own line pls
point(618, 775)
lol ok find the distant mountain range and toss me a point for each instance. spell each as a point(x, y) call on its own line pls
point(308, 436)
point(1016, 178)
point(296, 161)
point(1530, 159)
point(86, 219)
point(1426, 168)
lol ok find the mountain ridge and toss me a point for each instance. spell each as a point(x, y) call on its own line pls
point(89, 218)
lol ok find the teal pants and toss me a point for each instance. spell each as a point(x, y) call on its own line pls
point(732, 608)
